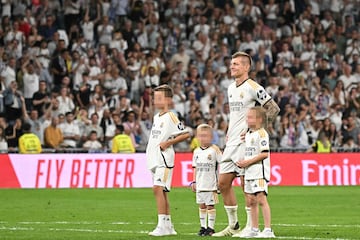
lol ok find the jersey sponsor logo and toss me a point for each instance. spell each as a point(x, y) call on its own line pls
point(261, 94)
point(236, 106)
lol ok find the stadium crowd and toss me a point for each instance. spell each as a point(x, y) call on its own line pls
point(77, 69)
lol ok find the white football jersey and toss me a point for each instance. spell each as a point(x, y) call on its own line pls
point(255, 143)
point(205, 163)
point(165, 126)
point(241, 98)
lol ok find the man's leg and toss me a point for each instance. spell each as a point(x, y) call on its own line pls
point(230, 204)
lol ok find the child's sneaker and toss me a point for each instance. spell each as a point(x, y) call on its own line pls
point(250, 234)
point(201, 231)
point(159, 231)
point(172, 230)
point(268, 233)
point(209, 232)
point(243, 233)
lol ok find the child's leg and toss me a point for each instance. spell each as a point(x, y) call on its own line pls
point(211, 212)
point(262, 200)
point(162, 207)
point(248, 210)
point(202, 215)
point(161, 200)
point(254, 210)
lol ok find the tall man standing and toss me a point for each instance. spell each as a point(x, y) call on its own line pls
point(243, 94)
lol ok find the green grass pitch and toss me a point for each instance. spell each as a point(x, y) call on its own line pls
point(297, 213)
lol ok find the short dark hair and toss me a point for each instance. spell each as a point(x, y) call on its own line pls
point(27, 127)
point(120, 128)
point(166, 89)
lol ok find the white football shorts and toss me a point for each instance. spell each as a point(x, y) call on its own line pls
point(162, 176)
point(208, 198)
point(256, 185)
point(231, 155)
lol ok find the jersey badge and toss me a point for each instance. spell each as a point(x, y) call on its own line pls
point(241, 95)
point(161, 124)
point(252, 141)
point(263, 142)
point(209, 157)
point(181, 126)
point(261, 94)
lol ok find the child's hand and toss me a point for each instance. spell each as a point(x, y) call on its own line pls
point(242, 137)
point(193, 186)
point(163, 146)
point(243, 163)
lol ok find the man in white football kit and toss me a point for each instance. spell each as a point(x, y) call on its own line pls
point(205, 163)
point(166, 131)
point(243, 94)
point(257, 172)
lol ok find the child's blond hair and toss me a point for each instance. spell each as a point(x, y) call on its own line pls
point(260, 113)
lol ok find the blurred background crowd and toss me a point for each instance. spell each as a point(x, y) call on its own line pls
point(77, 69)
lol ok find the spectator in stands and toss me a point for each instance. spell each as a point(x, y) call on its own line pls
point(41, 99)
point(92, 144)
point(3, 142)
point(14, 102)
point(352, 129)
point(132, 127)
point(8, 74)
point(29, 142)
point(59, 67)
point(121, 142)
point(111, 128)
point(93, 126)
point(349, 144)
point(30, 79)
point(70, 130)
point(66, 104)
point(36, 123)
point(322, 144)
point(13, 133)
point(53, 137)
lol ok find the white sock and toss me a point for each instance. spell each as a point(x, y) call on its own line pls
point(211, 218)
point(232, 215)
point(248, 217)
point(202, 216)
point(168, 222)
point(161, 220)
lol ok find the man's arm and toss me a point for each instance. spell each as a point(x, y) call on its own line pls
point(272, 110)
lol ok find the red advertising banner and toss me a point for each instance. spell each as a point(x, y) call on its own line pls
point(129, 170)
point(294, 169)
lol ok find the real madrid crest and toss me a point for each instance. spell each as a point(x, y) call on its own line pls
point(161, 124)
point(209, 157)
point(241, 95)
